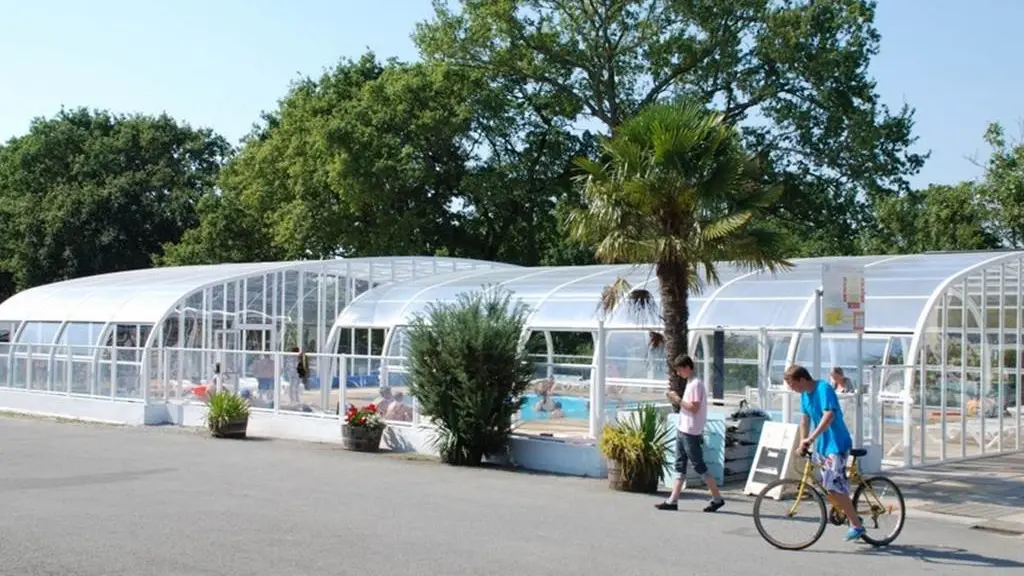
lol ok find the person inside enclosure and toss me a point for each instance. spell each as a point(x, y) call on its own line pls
point(693, 415)
point(263, 369)
point(839, 380)
point(399, 411)
point(823, 426)
point(302, 382)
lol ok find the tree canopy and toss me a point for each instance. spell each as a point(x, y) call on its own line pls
point(792, 73)
point(86, 192)
point(471, 150)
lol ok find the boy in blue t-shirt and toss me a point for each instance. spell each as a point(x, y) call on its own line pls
point(822, 424)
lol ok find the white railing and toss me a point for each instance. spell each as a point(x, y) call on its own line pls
point(940, 417)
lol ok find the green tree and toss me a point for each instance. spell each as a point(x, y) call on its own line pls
point(89, 192)
point(677, 190)
point(791, 72)
point(469, 373)
point(390, 158)
point(1003, 185)
point(938, 218)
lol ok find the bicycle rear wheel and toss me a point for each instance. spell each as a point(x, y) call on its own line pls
point(790, 523)
point(881, 510)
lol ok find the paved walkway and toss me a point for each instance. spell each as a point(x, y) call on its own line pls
point(984, 493)
point(87, 500)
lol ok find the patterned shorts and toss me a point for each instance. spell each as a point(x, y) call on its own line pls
point(833, 472)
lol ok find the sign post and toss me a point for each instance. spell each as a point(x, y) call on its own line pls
point(843, 299)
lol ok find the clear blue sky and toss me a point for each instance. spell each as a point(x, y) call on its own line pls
point(218, 63)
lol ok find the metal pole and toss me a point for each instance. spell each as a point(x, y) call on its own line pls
point(944, 368)
point(763, 368)
point(964, 342)
point(597, 392)
point(986, 363)
point(859, 394)
point(1019, 391)
point(924, 404)
point(343, 388)
point(876, 416)
point(275, 349)
point(1001, 361)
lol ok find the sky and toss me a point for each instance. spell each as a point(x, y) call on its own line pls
point(219, 63)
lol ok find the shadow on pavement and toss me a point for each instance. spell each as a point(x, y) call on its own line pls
point(944, 555)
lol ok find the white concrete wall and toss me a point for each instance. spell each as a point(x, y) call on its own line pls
point(571, 457)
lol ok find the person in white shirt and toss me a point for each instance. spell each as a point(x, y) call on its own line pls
point(690, 437)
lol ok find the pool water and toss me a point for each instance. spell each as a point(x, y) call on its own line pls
point(572, 407)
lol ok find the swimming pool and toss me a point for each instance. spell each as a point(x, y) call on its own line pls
point(573, 407)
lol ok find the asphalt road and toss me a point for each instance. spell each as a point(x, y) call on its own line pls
point(82, 500)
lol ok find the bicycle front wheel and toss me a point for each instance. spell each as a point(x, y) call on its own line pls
point(794, 521)
point(879, 503)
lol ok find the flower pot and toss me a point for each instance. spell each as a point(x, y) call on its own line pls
point(361, 438)
point(644, 481)
point(231, 429)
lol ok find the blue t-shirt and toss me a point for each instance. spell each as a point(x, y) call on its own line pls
point(836, 438)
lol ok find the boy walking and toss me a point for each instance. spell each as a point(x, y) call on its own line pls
point(693, 414)
point(823, 426)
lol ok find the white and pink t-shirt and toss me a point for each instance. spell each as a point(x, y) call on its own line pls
point(690, 422)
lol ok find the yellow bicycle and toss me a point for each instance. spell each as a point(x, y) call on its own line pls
point(868, 498)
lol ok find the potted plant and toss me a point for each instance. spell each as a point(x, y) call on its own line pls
point(227, 414)
point(636, 448)
point(363, 429)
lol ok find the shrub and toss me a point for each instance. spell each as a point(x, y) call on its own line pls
point(639, 445)
point(468, 372)
point(225, 407)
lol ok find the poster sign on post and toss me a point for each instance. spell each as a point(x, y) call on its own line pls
point(842, 299)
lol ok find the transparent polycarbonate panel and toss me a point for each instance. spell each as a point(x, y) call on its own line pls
point(81, 337)
point(145, 296)
point(841, 351)
point(38, 333)
point(629, 356)
point(754, 314)
point(396, 304)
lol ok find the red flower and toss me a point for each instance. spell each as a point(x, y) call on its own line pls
point(371, 408)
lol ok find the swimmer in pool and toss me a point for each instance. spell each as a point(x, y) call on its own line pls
point(544, 404)
point(556, 411)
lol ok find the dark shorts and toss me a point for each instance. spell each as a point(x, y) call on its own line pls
point(690, 449)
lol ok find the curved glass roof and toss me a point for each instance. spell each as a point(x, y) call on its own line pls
point(145, 296)
point(567, 298)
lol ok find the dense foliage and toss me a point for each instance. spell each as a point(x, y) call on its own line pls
point(677, 190)
point(468, 372)
point(470, 151)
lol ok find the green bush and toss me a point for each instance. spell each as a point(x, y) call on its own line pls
point(639, 444)
point(468, 372)
point(225, 407)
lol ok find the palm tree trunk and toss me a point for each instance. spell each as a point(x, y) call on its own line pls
point(674, 288)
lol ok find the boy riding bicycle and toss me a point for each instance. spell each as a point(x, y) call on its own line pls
point(832, 441)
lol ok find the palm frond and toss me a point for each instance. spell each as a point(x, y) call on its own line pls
point(725, 226)
point(613, 294)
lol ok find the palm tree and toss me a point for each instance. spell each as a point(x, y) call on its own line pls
point(675, 189)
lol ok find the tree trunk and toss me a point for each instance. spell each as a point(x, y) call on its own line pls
point(674, 288)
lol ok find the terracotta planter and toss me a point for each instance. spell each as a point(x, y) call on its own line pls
point(640, 483)
point(231, 429)
point(361, 439)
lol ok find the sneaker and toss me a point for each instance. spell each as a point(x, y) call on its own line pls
point(714, 505)
point(666, 505)
point(854, 533)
